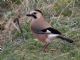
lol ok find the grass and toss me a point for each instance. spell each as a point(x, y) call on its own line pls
point(27, 48)
point(30, 50)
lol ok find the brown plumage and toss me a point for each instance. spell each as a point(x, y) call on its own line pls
point(39, 24)
point(42, 30)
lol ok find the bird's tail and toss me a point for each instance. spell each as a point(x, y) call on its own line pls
point(66, 39)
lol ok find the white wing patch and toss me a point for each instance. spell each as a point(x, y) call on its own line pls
point(48, 31)
point(51, 36)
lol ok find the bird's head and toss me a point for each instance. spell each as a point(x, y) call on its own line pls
point(36, 14)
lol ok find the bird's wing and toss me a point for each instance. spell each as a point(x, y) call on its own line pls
point(48, 30)
point(51, 30)
point(37, 30)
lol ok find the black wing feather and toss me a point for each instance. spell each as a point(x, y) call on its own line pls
point(52, 30)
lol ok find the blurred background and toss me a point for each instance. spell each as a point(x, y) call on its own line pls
point(63, 15)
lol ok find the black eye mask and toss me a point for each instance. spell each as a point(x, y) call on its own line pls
point(34, 13)
point(34, 16)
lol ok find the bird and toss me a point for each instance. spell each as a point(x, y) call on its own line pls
point(42, 30)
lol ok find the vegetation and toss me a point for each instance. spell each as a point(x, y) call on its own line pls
point(63, 15)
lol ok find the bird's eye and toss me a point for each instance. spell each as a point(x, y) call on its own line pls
point(34, 13)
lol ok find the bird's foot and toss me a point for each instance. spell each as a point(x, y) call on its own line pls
point(45, 49)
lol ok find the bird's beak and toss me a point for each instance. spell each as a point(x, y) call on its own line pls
point(28, 14)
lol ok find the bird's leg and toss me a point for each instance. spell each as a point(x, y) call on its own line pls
point(45, 47)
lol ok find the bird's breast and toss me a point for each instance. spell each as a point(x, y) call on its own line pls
point(40, 37)
point(39, 25)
